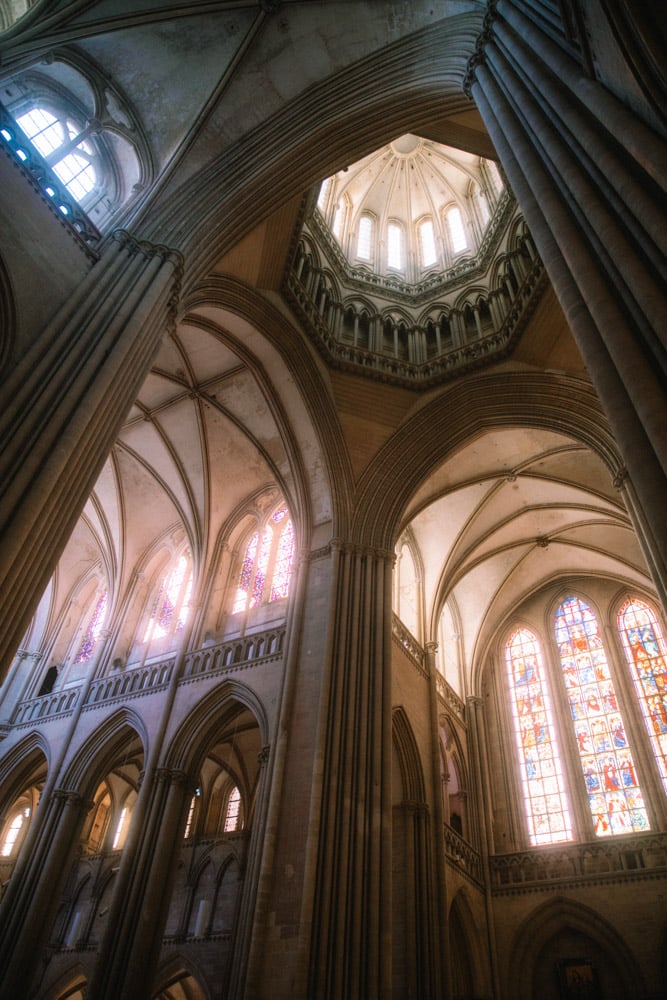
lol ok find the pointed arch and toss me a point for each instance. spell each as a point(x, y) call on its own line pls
point(412, 775)
point(568, 925)
point(98, 754)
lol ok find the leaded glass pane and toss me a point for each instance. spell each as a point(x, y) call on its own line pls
point(283, 564)
point(646, 654)
point(608, 768)
point(233, 809)
point(241, 599)
point(262, 566)
point(170, 607)
point(535, 735)
point(93, 630)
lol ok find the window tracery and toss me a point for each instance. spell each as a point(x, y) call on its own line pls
point(542, 778)
point(171, 604)
point(267, 563)
point(93, 630)
point(233, 812)
point(614, 796)
point(591, 718)
point(646, 655)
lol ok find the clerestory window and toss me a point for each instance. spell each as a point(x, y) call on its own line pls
point(267, 563)
point(456, 230)
point(171, 604)
point(365, 238)
point(395, 252)
point(70, 154)
point(567, 704)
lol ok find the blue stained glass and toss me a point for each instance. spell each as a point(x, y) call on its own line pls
point(646, 654)
point(545, 801)
point(93, 630)
point(614, 797)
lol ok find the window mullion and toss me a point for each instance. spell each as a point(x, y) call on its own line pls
point(644, 758)
point(582, 819)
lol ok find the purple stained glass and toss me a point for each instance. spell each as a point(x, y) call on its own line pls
point(233, 810)
point(170, 607)
point(279, 515)
point(262, 566)
point(283, 564)
point(93, 629)
point(542, 780)
point(245, 579)
point(608, 768)
point(646, 655)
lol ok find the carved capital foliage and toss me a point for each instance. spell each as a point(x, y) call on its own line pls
point(477, 58)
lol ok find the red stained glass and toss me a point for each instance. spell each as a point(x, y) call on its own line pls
point(646, 654)
point(614, 796)
point(541, 772)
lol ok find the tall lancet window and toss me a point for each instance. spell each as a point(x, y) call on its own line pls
point(614, 796)
point(266, 567)
point(92, 631)
point(545, 800)
point(456, 230)
point(365, 239)
point(646, 653)
point(171, 605)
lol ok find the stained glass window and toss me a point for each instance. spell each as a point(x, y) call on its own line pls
point(646, 654)
point(171, 605)
point(545, 801)
point(268, 557)
point(614, 796)
point(92, 631)
point(283, 565)
point(233, 810)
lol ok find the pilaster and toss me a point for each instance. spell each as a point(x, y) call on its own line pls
point(589, 194)
point(67, 400)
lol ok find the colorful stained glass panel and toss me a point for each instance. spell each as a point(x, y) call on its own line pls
point(614, 796)
point(646, 653)
point(283, 563)
point(541, 773)
point(93, 631)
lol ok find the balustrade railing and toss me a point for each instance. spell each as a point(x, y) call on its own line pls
point(406, 640)
point(449, 696)
point(621, 857)
point(134, 681)
point(235, 652)
point(462, 855)
point(47, 705)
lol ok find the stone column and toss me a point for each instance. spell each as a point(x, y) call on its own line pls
point(130, 948)
point(350, 935)
point(587, 176)
point(67, 399)
point(35, 889)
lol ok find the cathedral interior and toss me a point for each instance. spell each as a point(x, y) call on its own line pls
point(333, 517)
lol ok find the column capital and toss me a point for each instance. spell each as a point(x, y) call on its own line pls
point(478, 55)
point(149, 250)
